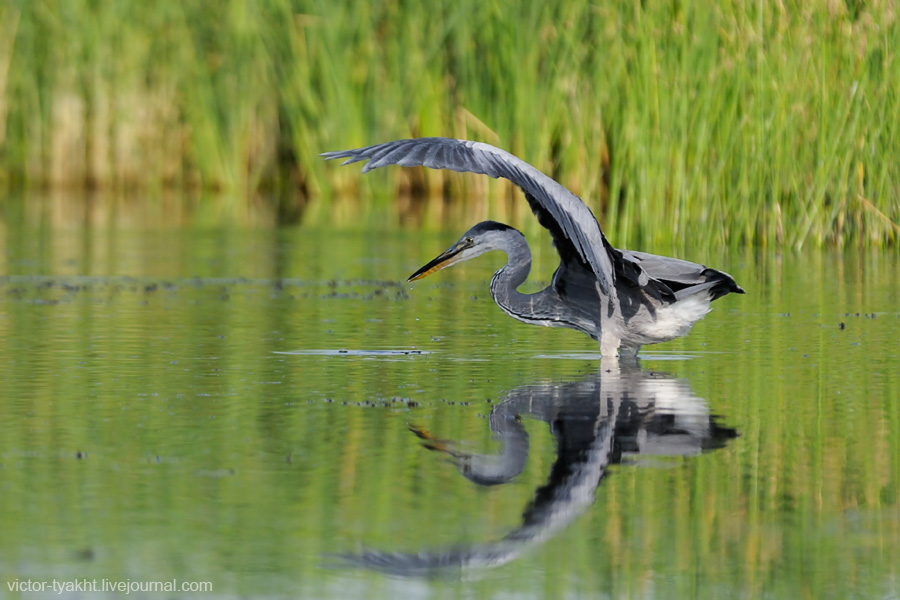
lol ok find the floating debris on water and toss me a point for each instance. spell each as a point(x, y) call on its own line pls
point(346, 352)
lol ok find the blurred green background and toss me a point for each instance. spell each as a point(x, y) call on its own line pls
point(738, 122)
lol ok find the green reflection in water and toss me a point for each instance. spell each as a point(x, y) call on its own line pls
point(176, 405)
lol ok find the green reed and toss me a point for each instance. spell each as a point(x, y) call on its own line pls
point(735, 122)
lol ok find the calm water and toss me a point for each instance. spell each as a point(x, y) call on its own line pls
point(274, 412)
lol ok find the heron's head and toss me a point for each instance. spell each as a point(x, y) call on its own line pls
point(484, 237)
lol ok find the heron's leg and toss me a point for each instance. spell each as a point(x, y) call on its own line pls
point(629, 351)
point(609, 344)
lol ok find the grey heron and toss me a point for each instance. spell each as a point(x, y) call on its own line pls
point(621, 298)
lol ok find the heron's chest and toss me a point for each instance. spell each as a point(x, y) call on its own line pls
point(669, 322)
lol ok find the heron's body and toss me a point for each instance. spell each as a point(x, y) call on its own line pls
point(621, 298)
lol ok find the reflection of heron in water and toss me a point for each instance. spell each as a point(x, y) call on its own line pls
point(621, 298)
point(616, 415)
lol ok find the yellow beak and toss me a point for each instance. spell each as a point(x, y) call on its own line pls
point(443, 261)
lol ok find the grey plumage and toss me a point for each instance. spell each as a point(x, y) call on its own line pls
point(621, 298)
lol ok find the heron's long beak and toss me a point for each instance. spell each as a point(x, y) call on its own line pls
point(443, 261)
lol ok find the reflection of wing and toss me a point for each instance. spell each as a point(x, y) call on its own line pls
point(620, 410)
point(572, 225)
point(584, 452)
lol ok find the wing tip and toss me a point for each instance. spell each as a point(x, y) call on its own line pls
point(351, 156)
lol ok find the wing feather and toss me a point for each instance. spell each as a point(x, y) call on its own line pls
point(571, 223)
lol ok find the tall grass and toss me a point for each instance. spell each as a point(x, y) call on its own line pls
point(763, 123)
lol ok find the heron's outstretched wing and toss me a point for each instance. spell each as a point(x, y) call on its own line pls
point(574, 229)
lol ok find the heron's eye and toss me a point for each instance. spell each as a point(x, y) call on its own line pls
point(470, 241)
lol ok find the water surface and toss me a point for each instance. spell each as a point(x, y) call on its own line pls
point(274, 411)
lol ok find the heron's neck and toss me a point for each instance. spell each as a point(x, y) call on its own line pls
point(505, 282)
